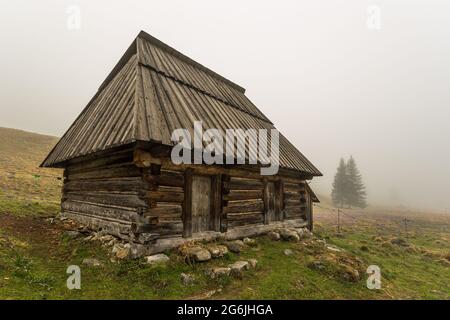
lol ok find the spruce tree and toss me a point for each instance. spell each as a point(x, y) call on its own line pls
point(340, 185)
point(356, 191)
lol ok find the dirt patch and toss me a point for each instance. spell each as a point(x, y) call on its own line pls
point(31, 229)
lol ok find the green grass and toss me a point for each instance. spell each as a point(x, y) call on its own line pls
point(33, 266)
point(34, 254)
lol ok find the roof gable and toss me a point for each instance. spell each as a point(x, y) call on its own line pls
point(154, 90)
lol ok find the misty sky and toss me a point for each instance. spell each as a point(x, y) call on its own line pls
point(333, 86)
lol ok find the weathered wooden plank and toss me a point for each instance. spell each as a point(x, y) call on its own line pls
point(224, 216)
point(99, 210)
point(292, 212)
point(107, 172)
point(248, 216)
point(166, 179)
point(169, 229)
point(166, 196)
point(243, 195)
point(216, 202)
point(294, 187)
point(124, 200)
point(107, 160)
point(292, 203)
point(245, 219)
point(175, 210)
point(244, 206)
point(280, 199)
point(121, 184)
point(291, 195)
point(243, 185)
point(187, 204)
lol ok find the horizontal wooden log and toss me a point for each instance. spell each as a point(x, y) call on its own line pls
point(241, 171)
point(123, 200)
point(166, 179)
point(243, 185)
point(294, 187)
point(117, 184)
point(246, 220)
point(169, 229)
point(292, 212)
point(144, 227)
point(292, 203)
point(248, 216)
point(291, 196)
point(119, 213)
point(170, 189)
point(166, 196)
point(112, 159)
point(107, 172)
point(244, 206)
point(243, 195)
point(173, 211)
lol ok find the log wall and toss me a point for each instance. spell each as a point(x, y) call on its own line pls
point(147, 200)
point(295, 200)
point(243, 201)
point(106, 193)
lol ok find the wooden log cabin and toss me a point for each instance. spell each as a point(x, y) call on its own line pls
point(118, 173)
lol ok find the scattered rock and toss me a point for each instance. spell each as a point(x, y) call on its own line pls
point(250, 242)
point(197, 253)
point(238, 267)
point(106, 238)
point(220, 272)
point(187, 279)
point(92, 262)
point(288, 252)
point(275, 236)
point(364, 248)
point(157, 259)
point(236, 246)
point(217, 250)
point(350, 274)
point(316, 265)
point(122, 251)
point(303, 233)
point(253, 263)
point(399, 242)
point(289, 235)
point(138, 250)
point(333, 248)
point(112, 243)
point(72, 234)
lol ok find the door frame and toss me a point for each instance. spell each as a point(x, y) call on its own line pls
point(215, 202)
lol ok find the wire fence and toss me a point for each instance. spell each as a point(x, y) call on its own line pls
point(404, 224)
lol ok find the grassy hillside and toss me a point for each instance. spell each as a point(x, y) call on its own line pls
point(24, 187)
point(35, 252)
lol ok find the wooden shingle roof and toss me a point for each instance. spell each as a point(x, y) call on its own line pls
point(154, 90)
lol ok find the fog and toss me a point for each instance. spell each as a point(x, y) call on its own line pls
point(332, 83)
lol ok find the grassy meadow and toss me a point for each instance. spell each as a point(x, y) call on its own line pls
point(35, 251)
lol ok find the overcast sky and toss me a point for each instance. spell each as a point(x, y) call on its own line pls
point(322, 71)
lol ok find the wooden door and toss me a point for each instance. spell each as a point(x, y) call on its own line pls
point(272, 200)
point(201, 203)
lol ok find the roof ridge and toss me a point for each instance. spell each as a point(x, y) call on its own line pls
point(144, 35)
